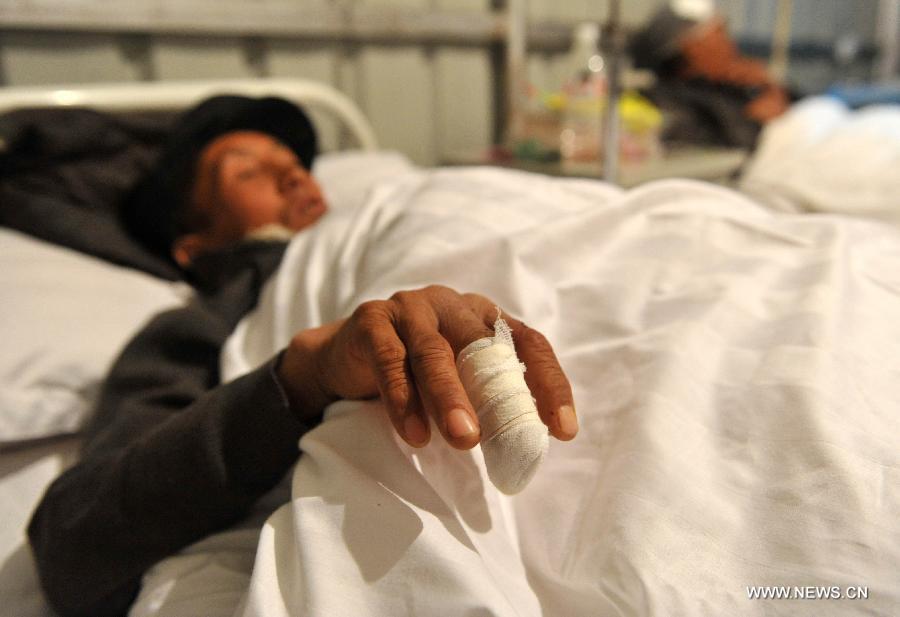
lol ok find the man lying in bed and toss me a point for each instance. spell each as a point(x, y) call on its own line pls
point(172, 455)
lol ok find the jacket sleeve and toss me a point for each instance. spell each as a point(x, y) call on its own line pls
point(169, 458)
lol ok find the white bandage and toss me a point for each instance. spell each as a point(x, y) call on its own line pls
point(513, 438)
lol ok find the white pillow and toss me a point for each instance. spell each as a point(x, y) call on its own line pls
point(64, 317)
point(347, 177)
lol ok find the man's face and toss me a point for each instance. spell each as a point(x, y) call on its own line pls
point(246, 180)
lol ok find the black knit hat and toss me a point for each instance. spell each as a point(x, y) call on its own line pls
point(655, 45)
point(156, 211)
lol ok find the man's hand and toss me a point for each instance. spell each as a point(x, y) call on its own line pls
point(404, 349)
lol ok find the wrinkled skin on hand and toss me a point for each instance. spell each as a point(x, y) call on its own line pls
point(404, 350)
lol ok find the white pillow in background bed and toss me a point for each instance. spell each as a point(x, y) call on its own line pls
point(64, 317)
point(823, 157)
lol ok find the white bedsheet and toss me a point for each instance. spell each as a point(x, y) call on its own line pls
point(735, 374)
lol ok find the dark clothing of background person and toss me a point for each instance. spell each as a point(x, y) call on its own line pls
point(169, 451)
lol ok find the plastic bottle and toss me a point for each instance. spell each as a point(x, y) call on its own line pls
point(585, 91)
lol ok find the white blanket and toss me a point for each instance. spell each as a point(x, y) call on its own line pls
point(736, 381)
point(823, 157)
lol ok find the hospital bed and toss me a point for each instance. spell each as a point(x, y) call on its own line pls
point(734, 373)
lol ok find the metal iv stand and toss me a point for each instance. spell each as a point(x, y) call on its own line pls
point(610, 124)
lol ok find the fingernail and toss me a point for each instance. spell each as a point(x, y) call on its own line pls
point(415, 430)
point(459, 424)
point(568, 421)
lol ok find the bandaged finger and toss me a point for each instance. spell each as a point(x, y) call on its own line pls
point(513, 439)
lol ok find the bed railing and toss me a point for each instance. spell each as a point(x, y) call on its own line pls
point(162, 96)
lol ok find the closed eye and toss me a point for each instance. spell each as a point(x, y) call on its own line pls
point(248, 173)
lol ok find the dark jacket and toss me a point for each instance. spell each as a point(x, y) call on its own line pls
point(170, 455)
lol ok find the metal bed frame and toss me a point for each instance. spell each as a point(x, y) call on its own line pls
point(162, 96)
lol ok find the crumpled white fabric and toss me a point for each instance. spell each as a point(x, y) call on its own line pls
point(734, 375)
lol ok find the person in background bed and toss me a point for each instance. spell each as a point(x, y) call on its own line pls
point(171, 455)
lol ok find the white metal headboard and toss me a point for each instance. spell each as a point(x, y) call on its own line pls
point(175, 95)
